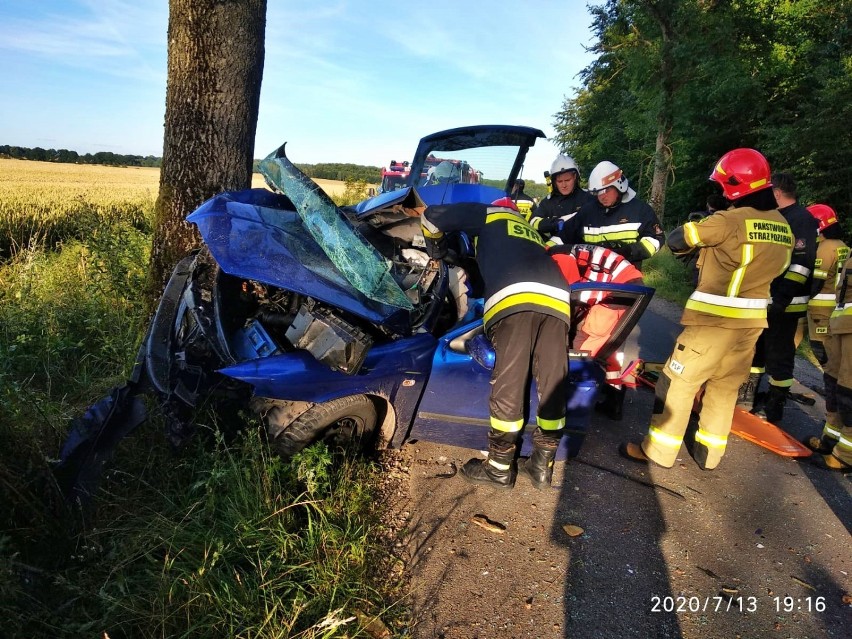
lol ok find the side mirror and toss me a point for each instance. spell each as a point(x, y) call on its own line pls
point(482, 351)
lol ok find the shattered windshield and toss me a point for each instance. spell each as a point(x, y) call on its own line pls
point(356, 259)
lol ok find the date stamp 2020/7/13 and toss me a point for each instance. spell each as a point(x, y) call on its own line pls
point(719, 603)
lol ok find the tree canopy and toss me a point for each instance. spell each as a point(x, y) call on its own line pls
point(707, 76)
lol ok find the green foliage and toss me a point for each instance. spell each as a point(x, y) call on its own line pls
point(342, 172)
point(762, 74)
point(356, 191)
point(68, 317)
point(230, 542)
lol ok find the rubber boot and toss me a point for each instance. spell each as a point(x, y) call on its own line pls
point(499, 470)
point(773, 409)
point(539, 466)
point(745, 397)
point(612, 403)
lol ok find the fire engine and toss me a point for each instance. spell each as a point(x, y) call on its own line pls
point(435, 170)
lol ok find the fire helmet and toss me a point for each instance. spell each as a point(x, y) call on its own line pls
point(505, 202)
point(607, 174)
point(561, 164)
point(741, 172)
point(824, 214)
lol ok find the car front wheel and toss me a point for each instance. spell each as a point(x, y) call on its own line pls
point(338, 423)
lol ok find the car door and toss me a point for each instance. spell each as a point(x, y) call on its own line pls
point(454, 407)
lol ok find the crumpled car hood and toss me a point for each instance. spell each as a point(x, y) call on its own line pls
point(260, 236)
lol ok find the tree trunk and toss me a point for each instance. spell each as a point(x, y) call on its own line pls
point(662, 167)
point(215, 67)
point(662, 12)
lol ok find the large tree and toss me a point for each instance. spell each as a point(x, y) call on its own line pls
point(215, 67)
point(674, 85)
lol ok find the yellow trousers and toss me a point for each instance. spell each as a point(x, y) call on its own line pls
point(838, 369)
point(717, 359)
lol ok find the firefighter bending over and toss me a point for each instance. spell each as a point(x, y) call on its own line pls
point(526, 317)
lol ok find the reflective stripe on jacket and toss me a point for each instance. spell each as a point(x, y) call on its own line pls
point(841, 317)
point(630, 228)
point(743, 251)
point(831, 253)
point(795, 283)
point(517, 272)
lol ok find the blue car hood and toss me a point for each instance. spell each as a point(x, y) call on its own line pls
point(259, 235)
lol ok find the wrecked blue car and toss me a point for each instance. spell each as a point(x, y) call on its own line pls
point(332, 323)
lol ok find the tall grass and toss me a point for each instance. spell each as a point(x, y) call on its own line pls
point(220, 539)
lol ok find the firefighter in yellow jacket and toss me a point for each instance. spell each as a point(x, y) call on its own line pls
point(830, 254)
point(838, 376)
point(744, 248)
point(526, 316)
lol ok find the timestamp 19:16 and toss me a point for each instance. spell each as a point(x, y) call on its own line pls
point(717, 603)
point(799, 604)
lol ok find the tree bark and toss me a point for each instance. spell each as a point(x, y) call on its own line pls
point(215, 67)
point(662, 12)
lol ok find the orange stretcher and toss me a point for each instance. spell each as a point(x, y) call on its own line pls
point(746, 425)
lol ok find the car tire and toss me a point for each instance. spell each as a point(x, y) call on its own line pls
point(339, 422)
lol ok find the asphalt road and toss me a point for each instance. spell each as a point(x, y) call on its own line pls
point(760, 547)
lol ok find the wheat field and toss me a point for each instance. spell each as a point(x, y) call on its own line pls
point(47, 202)
point(22, 178)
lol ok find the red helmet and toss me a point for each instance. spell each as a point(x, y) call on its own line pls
point(505, 202)
point(824, 214)
point(741, 172)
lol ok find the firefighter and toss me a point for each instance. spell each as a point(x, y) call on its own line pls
point(565, 197)
point(527, 311)
point(775, 354)
point(832, 252)
point(830, 255)
point(838, 375)
point(745, 248)
point(615, 219)
point(526, 205)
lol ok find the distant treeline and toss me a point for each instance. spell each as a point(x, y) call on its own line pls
point(39, 154)
point(342, 172)
point(328, 171)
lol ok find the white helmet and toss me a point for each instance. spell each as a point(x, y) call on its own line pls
point(563, 163)
point(607, 174)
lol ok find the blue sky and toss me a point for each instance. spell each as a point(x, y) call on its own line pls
point(344, 81)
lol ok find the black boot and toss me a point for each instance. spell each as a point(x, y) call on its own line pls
point(539, 466)
point(611, 403)
point(773, 410)
point(822, 445)
point(745, 397)
point(499, 469)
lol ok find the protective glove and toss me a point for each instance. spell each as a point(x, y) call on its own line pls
point(436, 249)
point(563, 249)
point(776, 307)
point(685, 257)
point(548, 225)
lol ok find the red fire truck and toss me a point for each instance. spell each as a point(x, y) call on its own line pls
point(435, 170)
